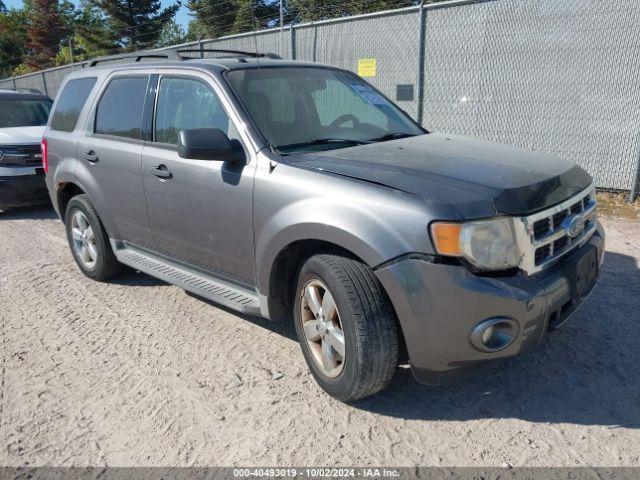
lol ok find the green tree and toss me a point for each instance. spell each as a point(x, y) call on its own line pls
point(136, 24)
point(87, 32)
point(212, 18)
point(370, 6)
point(171, 34)
point(245, 19)
point(91, 36)
point(13, 39)
point(254, 14)
point(216, 18)
point(313, 10)
point(45, 31)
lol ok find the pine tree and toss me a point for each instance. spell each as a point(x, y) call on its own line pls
point(213, 18)
point(312, 10)
point(91, 32)
point(369, 6)
point(244, 20)
point(267, 14)
point(216, 18)
point(87, 32)
point(45, 32)
point(136, 24)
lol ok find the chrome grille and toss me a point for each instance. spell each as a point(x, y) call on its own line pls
point(20, 155)
point(546, 236)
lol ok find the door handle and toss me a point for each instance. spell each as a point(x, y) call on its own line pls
point(91, 157)
point(161, 171)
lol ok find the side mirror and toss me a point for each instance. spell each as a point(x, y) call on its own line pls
point(207, 144)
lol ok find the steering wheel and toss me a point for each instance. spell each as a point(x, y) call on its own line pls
point(347, 117)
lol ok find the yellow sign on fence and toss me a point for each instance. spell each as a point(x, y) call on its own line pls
point(367, 67)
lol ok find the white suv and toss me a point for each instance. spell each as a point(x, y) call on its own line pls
point(23, 117)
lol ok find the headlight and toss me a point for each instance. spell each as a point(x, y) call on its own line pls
point(486, 244)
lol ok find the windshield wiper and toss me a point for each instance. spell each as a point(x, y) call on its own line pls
point(391, 136)
point(324, 141)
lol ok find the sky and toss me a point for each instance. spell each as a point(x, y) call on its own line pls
point(182, 17)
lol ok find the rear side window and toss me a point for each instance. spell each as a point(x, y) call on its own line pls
point(119, 111)
point(70, 104)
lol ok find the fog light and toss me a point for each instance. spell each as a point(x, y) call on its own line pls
point(494, 334)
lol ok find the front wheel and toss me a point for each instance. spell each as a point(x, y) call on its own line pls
point(346, 327)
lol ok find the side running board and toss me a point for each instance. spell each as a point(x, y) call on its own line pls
point(216, 290)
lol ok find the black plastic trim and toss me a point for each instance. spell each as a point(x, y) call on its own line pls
point(149, 107)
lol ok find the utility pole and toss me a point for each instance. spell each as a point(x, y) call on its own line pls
point(281, 28)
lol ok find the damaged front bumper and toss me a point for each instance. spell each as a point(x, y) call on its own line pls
point(440, 305)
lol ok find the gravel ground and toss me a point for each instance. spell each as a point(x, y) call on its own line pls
point(138, 372)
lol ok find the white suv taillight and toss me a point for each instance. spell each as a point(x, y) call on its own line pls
point(45, 159)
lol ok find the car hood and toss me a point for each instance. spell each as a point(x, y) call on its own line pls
point(21, 135)
point(475, 177)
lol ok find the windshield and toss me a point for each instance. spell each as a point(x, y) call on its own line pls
point(24, 113)
point(310, 109)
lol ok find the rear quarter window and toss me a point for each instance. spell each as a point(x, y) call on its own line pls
point(119, 111)
point(70, 104)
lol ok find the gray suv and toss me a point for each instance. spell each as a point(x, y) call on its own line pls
point(294, 190)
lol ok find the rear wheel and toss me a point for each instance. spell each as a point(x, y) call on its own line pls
point(88, 240)
point(346, 327)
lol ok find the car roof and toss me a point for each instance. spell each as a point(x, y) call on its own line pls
point(9, 94)
point(215, 65)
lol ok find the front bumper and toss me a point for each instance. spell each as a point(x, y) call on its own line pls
point(23, 190)
point(438, 306)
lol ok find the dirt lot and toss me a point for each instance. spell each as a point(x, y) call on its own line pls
point(137, 372)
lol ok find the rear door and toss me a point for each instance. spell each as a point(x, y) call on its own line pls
point(201, 212)
point(63, 133)
point(111, 155)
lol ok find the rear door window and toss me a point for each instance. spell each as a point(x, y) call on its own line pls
point(120, 108)
point(70, 104)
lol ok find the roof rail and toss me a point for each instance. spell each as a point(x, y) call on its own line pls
point(25, 90)
point(168, 54)
point(174, 54)
point(232, 53)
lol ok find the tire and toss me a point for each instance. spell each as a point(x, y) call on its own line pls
point(104, 265)
point(365, 317)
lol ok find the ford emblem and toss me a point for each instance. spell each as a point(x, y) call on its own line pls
point(574, 225)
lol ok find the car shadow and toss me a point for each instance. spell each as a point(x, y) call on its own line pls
point(135, 278)
point(586, 372)
point(285, 329)
point(40, 212)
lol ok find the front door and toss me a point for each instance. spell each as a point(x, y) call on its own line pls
point(200, 211)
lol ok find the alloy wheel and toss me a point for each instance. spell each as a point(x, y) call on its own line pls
point(322, 328)
point(84, 240)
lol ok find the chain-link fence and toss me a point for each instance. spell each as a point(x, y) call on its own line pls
point(560, 76)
